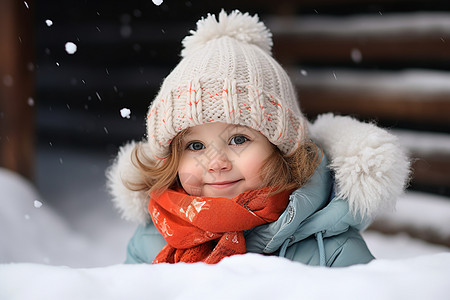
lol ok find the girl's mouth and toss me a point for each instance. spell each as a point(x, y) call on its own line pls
point(223, 184)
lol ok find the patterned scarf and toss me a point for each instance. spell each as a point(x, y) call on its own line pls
point(207, 229)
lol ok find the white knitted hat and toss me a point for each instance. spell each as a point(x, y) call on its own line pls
point(227, 74)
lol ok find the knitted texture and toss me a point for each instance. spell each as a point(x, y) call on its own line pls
point(227, 74)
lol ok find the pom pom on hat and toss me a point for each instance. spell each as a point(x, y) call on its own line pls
point(242, 27)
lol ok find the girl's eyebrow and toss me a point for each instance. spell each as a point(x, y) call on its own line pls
point(187, 136)
point(185, 133)
point(232, 128)
point(239, 129)
point(236, 127)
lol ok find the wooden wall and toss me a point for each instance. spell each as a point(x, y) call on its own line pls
point(16, 86)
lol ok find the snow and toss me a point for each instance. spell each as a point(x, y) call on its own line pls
point(125, 113)
point(399, 246)
point(157, 2)
point(386, 25)
point(411, 81)
point(431, 215)
point(49, 22)
point(425, 143)
point(29, 234)
point(70, 47)
point(413, 205)
point(248, 276)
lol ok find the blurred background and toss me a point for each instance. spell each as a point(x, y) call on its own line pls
point(385, 61)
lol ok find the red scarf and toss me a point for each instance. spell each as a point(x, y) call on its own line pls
point(208, 229)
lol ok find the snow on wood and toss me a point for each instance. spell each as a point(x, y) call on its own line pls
point(393, 24)
point(410, 81)
point(424, 143)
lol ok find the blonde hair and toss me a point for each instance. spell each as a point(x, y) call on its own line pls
point(289, 172)
point(285, 172)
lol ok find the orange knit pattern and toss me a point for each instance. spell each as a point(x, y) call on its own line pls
point(207, 229)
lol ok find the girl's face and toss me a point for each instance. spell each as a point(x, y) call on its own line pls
point(222, 160)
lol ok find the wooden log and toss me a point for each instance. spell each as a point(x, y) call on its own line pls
point(377, 105)
point(16, 86)
point(290, 49)
point(433, 170)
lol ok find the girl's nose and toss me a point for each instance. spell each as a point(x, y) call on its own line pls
point(219, 163)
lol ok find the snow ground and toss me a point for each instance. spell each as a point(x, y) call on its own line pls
point(247, 276)
point(74, 249)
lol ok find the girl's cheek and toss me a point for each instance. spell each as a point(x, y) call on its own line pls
point(189, 174)
point(190, 184)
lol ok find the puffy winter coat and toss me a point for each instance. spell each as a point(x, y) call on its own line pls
point(322, 222)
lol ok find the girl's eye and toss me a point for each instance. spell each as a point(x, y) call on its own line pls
point(195, 146)
point(238, 140)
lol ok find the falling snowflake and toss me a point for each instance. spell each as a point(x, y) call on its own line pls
point(71, 48)
point(157, 2)
point(49, 22)
point(37, 203)
point(125, 113)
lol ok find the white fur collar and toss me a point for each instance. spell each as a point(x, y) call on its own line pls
point(371, 170)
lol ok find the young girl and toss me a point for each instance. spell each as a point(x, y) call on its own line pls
point(229, 165)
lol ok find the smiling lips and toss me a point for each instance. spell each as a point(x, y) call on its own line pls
point(223, 184)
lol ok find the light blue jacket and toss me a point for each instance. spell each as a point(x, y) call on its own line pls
point(317, 228)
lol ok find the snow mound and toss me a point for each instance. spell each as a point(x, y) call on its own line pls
point(248, 276)
point(31, 231)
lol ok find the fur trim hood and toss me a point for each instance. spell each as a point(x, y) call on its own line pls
point(370, 168)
